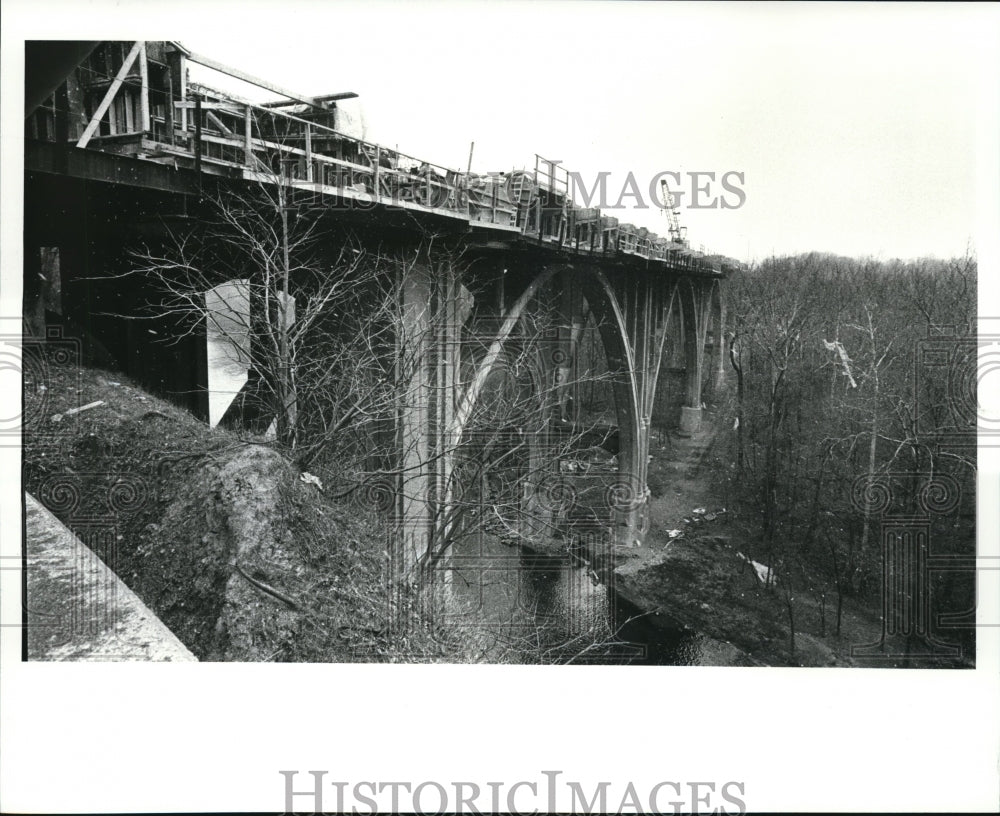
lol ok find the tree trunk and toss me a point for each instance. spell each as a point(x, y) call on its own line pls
point(791, 626)
point(739, 405)
point(287, 398)
point(822, 614)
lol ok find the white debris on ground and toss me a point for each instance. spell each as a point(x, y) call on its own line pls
point(72, 411)
point(674, 533)
point(309, 478)
point(762, 570)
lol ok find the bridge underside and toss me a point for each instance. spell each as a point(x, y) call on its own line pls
point(553, 374)
point(536, 345)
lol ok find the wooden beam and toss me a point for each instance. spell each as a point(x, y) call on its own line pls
point(109, 97)
point(309, 163)
point(197, 137)
point(144, 73)
point(247, 137)
point(232, 98)
point(260, 83)
point(215, 120)
point(334, 97)
point(229, 107)
point(182, 66)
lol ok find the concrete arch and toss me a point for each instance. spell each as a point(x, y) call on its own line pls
point(619, 353)
point(603, 302)
point(666, 310)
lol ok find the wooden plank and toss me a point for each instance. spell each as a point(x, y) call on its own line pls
point(172, 152)
point(309, 164)
point(336, 97)
point(260, 83)
point(297, 151)
point(129, 113)
point(228, 107)
point(318, 130)
point(247, 137)
point(182, 64)
point(239, 100)
point(215, 120)
point(144, 74)
point(109, 97)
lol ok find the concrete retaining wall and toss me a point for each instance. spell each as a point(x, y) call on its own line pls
point(78, 609)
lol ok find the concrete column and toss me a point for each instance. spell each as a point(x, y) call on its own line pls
point(413, 516)
point(692, 311)
point(719, 373)
point(434, 307)
point(716, 317)
point(690, 421)
point(454, 306)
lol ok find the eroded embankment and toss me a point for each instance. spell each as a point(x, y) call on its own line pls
point(218, 535)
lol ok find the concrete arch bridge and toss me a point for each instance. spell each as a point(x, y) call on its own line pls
point(549, 303)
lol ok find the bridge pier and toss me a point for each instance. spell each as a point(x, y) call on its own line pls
point(434, 306)
point(413, 515)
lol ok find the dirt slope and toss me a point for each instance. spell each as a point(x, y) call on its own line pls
point(218, 535)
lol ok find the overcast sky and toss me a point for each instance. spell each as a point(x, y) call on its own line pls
point(858, 129)
point(855, 128)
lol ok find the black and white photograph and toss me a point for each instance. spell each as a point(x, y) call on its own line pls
point(588, 379)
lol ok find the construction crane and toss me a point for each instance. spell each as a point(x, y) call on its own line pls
point(677, 233)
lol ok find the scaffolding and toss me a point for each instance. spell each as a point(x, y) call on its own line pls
point(136, 99)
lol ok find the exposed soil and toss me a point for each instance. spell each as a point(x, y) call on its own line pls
point(217, 534)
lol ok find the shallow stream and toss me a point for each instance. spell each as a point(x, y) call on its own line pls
point(557, 608)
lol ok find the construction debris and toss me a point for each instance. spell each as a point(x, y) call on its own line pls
point(72, 411)
point(763, 571)
point(309, 478)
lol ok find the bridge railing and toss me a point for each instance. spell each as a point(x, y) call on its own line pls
point(147, 114)
point(267, 142)
point(546, 212)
